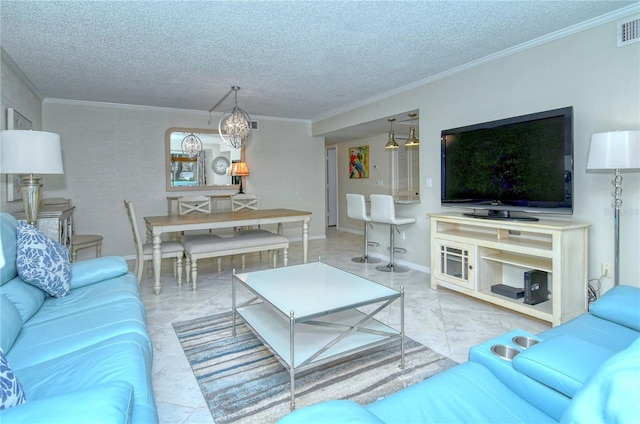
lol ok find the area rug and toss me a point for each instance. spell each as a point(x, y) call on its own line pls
point(243, 382)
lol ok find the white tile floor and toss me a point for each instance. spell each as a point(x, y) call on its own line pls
point(445, 321)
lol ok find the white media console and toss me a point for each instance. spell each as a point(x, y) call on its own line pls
point(469, 255)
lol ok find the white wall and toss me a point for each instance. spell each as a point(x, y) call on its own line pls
point(585, 70)
point(116, 152)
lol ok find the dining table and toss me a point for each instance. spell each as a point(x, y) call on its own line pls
point(159, 225)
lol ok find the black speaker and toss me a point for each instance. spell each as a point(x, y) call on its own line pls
point(535, 287)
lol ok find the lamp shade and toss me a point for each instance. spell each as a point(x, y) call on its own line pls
point(614, 150)
point(239, 169)
point(30, 152)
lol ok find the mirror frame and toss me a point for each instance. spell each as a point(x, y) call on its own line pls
point(167, 161)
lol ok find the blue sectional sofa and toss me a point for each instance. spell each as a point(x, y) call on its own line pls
point(80, 358)
point(584, 371)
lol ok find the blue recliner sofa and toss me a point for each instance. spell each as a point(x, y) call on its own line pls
point(83, 357)
point(586, 370)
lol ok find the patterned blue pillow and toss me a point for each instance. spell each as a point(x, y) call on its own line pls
point(43, 262)
point(11, 391)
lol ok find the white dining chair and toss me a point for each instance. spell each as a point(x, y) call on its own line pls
point(244, 201)
point(194, 204)
point(144, 251)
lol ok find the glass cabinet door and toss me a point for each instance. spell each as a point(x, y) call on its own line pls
point(455, 263)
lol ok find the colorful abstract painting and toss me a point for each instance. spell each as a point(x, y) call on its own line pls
point(359, 162)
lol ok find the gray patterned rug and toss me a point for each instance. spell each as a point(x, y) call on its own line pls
point(244, 383)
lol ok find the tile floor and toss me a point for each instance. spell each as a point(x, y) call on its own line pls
point(445, 321)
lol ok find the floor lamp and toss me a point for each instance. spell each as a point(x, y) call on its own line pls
point(618, 151)
point(30, 153)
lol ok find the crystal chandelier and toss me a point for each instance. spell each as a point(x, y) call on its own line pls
point(235, 126)
point(191, 145)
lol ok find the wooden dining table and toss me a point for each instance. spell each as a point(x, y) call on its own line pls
point(158, 225)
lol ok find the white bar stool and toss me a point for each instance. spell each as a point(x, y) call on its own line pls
point(356, 209)
point(383, 210)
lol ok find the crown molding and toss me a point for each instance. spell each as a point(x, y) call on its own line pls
point(16, 69)
point(71, 102)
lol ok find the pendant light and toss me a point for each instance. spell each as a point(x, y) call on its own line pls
point(392, 143)
point(412, 140)
point(235, 126)
point(191, 145)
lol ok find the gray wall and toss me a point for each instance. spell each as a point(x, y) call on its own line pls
point(115, 152)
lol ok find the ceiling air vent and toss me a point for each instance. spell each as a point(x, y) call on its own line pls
point(254, 126)
point(628, 31)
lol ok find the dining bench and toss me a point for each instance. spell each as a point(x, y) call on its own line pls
point(244, 242)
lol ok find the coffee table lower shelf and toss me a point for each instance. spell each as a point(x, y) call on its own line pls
point(312, 340)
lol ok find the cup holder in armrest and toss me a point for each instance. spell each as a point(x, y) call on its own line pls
point(505, 352)
point(525, 342)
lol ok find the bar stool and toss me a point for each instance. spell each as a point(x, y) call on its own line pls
point(383, 210)
point(356, 209)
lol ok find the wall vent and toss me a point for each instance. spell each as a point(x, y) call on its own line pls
point(628, 31)
point(254, 126)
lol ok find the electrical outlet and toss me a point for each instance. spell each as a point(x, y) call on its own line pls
point(379, 182)
point(605, 269)
point(403, 234)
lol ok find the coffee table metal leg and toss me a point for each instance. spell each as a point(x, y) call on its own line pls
point(292, 370)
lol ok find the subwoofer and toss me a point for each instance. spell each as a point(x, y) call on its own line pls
point(536, 288)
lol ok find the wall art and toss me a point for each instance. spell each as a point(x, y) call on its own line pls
point(359, 162)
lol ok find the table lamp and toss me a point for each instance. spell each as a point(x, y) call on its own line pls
point(617, 150)
point(239, 169)
point(30, 153)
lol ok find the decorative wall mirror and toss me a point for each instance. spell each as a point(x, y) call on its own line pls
point(207, 170)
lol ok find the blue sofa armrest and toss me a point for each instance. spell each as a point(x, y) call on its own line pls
point(333, 411)
point(563, 363)
point(549, 401)
point(91, 271)
point(621, 305)
point(466, 393)
point(106, 403)
point(611, 394)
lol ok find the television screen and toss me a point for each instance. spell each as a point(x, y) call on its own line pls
point(523, 164)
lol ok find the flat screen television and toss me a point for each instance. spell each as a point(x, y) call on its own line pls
point(522, 164)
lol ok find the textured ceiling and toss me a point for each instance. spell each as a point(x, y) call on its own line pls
point(293, 59)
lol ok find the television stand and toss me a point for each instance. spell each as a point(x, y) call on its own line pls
point(501, 215)
point(471, 255)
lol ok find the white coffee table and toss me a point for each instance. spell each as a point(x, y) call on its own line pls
point(308, 314)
